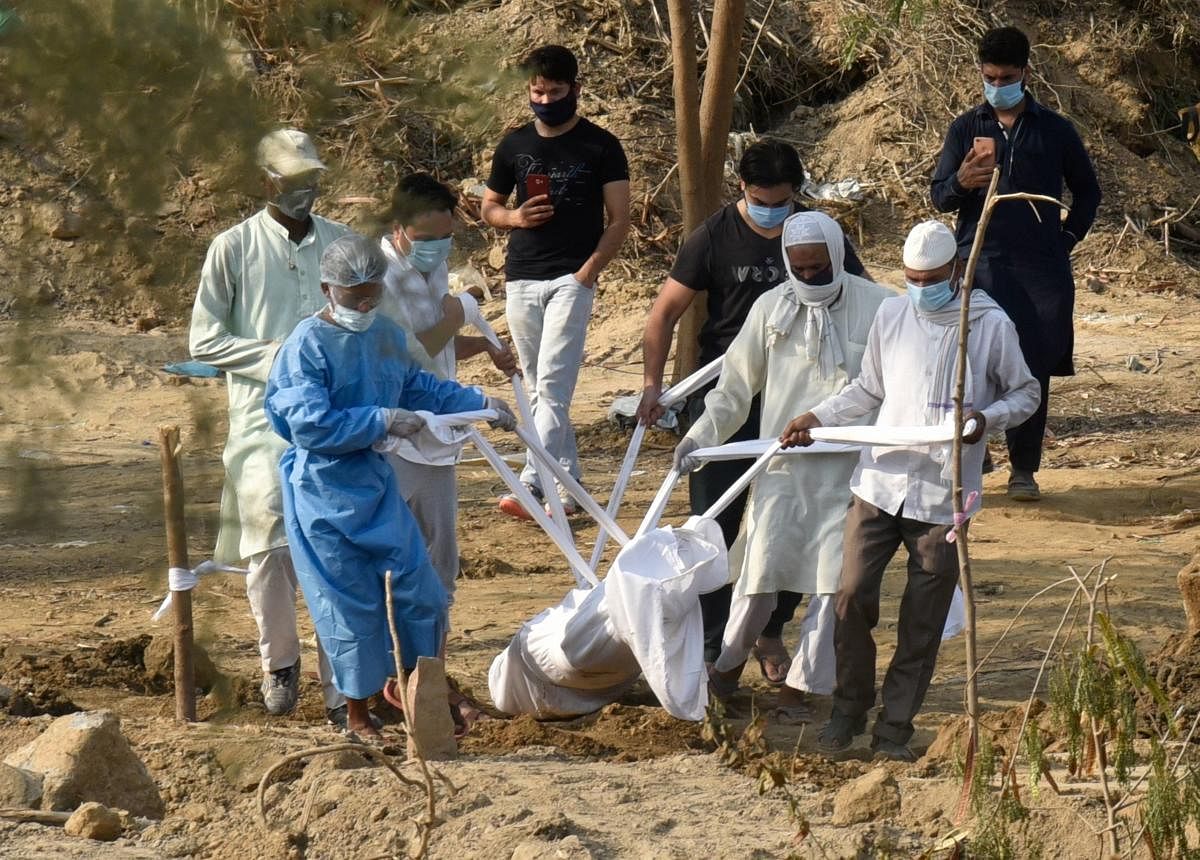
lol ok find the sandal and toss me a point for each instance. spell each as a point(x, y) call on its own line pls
point(776, 658)
point(465, 711)
point(392, 697)
point(720, 686)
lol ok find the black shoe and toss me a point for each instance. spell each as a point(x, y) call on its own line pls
point(837, 734)
point(988, 465)
point(891, 750)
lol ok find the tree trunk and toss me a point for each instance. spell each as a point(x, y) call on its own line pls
point(702, 133)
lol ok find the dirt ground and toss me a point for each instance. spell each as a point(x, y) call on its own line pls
point(83, 568)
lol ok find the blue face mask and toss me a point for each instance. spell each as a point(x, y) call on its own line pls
point(768, 217)
point(427, 254)
point(1005, 97)
point(929, 297)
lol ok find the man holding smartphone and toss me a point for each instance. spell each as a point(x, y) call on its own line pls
point(1025, 261)
point(570, 177)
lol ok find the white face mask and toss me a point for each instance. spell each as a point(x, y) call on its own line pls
point(352, 320)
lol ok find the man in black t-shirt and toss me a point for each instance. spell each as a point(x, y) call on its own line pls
point(568, 174)
point(734, 256)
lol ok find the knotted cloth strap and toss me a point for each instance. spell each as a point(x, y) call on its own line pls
point(182, 579)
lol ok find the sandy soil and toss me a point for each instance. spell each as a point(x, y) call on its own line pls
point(83, 568)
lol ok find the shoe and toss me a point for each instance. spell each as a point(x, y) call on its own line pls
point(339, 718)
point(988, 465)
point(891, 750)
point(837, 734)
point(570, 506)
point(281, 690)
point(512, 506)
point(1022, 487)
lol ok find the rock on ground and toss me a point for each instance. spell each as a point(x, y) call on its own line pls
point(871, 797)
point(159, 659)
point(19, 789)
point(94, 821)
point(83, 757)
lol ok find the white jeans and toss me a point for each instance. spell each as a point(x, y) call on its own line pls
point(431, 493)
point(548, 322)
point(271, 589)
point(814, 667)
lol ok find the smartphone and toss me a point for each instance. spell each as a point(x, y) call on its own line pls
point(536, 184)
point(985, 149)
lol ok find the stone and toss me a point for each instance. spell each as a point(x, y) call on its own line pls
point(871, 797)
point(84, 757)
point(94, 821)
point(19, 789)
point(57, 222)
point(159, 659)
point(567, 848)
point(1189, 591)
point(430, 726)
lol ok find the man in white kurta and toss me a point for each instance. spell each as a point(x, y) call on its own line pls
point(801, 342)
point(259, 280)
point(904, 495)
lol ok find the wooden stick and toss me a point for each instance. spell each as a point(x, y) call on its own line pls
point(177, 557)
point(35, 816)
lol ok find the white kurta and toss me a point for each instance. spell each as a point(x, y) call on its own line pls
point(414, 302)
point(255, 287)
point(792, 532)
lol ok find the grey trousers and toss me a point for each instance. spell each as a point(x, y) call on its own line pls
point(431, 493)
point(871, 539)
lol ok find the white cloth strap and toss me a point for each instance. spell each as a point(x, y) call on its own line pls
point(182, 579)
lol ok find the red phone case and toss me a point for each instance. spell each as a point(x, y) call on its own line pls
point(536, 184)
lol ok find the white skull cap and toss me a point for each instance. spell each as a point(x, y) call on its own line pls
point(803, 228)
point(288, 152)
point(930, 245)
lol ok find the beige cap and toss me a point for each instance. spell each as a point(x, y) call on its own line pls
point(288, 152)
point(930, 245)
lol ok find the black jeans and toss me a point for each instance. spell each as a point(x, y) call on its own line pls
point(707, 485)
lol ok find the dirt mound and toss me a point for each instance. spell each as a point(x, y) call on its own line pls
point(618, 733)
point(1177, 669)
point(117, 663)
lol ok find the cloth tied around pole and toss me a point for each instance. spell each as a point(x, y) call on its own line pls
point(962, 519)
point(182, 579)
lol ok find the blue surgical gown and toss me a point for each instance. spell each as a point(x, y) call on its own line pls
point(346, 521)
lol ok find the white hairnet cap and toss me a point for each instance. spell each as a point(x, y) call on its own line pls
point(352, 260)
point(930, 245)
point(288, 152)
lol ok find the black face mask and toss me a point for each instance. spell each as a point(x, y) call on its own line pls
point(822, 278)
point(558, 112)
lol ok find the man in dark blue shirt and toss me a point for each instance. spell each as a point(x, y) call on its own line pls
point(1025, 260)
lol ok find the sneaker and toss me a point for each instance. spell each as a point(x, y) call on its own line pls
point(1022, 487)
point(339, 718)
point(281, 690)
point(511, 505)
point(837, 734)
point(570, 506)
point(891, 750)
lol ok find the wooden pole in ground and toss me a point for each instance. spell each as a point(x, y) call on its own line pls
point(990, 200)
point(177, 557)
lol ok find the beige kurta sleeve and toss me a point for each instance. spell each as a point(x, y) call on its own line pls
point(743, 375)
point(210, 339)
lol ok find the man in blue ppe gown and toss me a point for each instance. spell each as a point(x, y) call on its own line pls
point(342, 381)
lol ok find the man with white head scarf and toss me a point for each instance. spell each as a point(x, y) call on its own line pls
point(801, 342)
point(904, 495)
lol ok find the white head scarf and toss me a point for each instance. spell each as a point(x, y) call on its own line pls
point(821, 342)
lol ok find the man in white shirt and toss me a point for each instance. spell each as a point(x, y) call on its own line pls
point(904, 495)
point(417, 297)
point(260, 278)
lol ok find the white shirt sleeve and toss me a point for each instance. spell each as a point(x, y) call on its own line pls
point(210, 339)
point(1017, 391)
point(742, 377)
